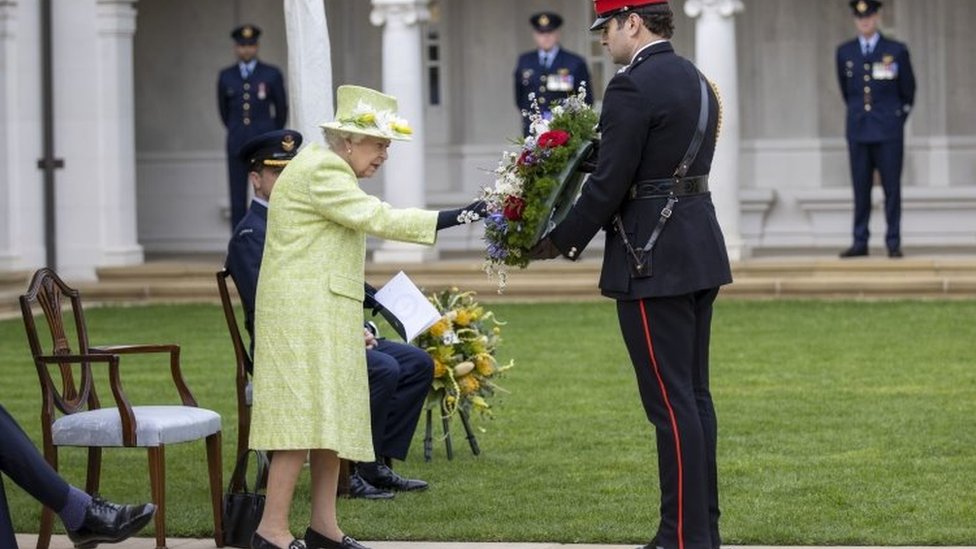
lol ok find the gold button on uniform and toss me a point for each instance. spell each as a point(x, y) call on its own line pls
point(867, 107)
point(247, 106)
point(867, 78)
point(247, 86)
point(867, 89)
point(247, 96)
point(247, 121)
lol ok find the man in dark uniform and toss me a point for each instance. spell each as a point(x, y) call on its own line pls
point(665, 255)
point(877, 83)
point(399, 375)
point(88, 520)
point(550, 72)
point(252, 101)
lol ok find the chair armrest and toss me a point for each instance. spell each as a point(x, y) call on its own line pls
point(174, 363)
point(126, 415)
point(133, 349)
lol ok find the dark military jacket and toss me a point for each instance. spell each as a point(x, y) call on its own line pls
point(244, 259)
point(565, 75)
point(650, 114)
point(251, 107)
point(879, 90)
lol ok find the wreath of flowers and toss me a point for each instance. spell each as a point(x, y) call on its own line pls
point(463, 344)
point(526, 178)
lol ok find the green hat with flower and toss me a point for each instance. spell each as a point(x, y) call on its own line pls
point(368, 112)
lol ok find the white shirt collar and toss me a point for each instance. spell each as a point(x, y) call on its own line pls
point(260, 201)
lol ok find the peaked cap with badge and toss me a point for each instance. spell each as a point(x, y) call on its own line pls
point(546, 21)
point(865, 8)
point(606, 9)
point(272, 149)
point(246, 35)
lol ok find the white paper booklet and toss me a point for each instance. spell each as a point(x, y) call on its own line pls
point(402, 298)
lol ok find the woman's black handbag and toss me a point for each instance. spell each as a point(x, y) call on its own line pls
point(243, 508)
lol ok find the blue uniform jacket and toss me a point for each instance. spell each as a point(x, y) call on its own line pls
point(879, 90)
point(251, 107)
point(563, 77)
point(244, 258)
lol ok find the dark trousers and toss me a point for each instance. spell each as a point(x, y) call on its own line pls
point(668, 339)
point(237, 178)
point(399, 379)
point(887, 159)
point(20, 460)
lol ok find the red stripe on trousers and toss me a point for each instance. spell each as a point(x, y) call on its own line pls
point(674, 425)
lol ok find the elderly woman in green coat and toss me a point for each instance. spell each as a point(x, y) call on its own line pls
point(311, 393)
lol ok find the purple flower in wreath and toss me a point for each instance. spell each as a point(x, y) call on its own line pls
point(497, 252)
point(497, 222)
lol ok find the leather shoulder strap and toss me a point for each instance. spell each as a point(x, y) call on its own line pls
point(699, 136)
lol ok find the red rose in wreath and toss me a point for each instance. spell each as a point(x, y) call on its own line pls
point(553, 139)
point(514, 206)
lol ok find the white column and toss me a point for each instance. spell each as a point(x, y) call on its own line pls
point(21, 182)
point(95, 133)
point(309, 68)
point(404, 173)
point(116, 128)
point(715, 55)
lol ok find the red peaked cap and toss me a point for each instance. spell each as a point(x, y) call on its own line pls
point(605, 9)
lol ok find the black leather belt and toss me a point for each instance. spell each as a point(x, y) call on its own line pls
point(662, 188)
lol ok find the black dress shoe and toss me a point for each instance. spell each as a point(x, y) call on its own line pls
point(854, 251)
point(315, 540)
point(895, 253)
point(359, 488)
point(384, 478)
point(258, 542)
point(107, 522)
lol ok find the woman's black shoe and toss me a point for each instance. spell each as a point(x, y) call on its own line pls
point(315, 540)
point(258, 542)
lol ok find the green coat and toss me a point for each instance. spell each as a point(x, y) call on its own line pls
point(310, 383)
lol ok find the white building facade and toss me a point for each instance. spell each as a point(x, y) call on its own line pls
point(136, 122)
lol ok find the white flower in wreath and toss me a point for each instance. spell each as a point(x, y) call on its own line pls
point(450, 338)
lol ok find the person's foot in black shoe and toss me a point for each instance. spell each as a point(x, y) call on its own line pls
point(315, 540)
point(359, 488)
point(854, 251)
point(107, 522)
point(895, 253)
point(258, 542)
point(384, 478)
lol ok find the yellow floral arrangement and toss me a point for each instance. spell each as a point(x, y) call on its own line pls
point(462, 344)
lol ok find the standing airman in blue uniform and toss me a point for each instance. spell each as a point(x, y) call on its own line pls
point(550, 72)
point(877, 83)
point(252, 101)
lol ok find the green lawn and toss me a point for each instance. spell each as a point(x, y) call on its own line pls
point(839, 423)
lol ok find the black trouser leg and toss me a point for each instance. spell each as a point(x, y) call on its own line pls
point(890, 156)
point(20, 460)
point(413, 383)
point(664, 338)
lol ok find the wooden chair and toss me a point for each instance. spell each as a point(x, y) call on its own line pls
point(243, 377)
point(83, 421)
point(244, 364)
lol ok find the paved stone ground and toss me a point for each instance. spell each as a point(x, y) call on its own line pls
point(28, 541)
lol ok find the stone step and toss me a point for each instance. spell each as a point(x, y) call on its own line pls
point(192, 280)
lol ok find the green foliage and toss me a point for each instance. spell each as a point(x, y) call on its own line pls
point(839, 423)
point(520, 201)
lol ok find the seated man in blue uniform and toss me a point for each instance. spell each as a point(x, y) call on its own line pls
point(878, 86)
point(87, 520)
point(252, 101)
point(550, 71)
point(399, 375)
